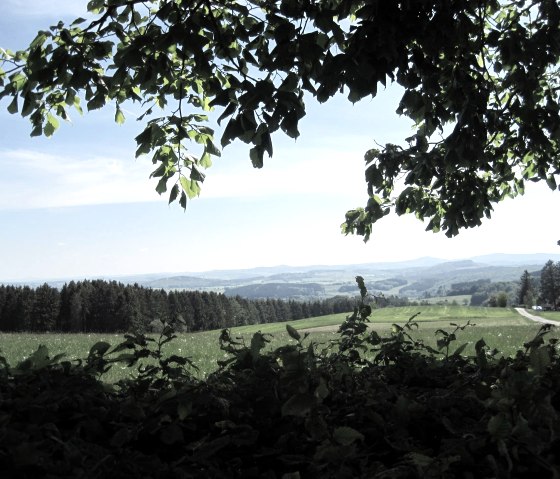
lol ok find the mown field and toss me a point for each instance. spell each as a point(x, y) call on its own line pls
point(463, 299)
point(501, 328)
point(553, 315)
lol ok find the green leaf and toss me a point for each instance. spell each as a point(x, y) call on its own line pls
point(232, 131)
point(256, 154)
point(174, 193)
point(38, 360)
point(161, 187)
point(95, 6)
point(421, 461)
point(293, 332)
point(499, 426)
point(196, 175)
point(227, 112)
point(212, 149)
point(38, 40)
point(172, 434)
point(258, 342)
point(317, 427)
point(540, 360)
point(51, 126)
point(28, 105)
point(184, 410)
point(290, 83)
point(119, 117)
point(522, 430)
point(13, 106)
point(99, 349)
point(346, 435)
point(78, 21)
point(480, 345)
point(205, 160)
point(18, 81)
point(36, 131)
point(298, 405)
point(190, 187)
point(460, 349)
point(98, 101)
point(322, 390)
point(120, 438)
point(183, 200)
point(290, 125)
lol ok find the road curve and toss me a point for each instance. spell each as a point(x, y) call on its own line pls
point(532, 317)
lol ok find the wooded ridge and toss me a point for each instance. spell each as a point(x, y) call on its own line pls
point(102, 306)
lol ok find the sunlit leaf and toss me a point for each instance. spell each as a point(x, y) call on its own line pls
point(293, 332)
point(51, 126)
point(119, 117)
point(347, 435)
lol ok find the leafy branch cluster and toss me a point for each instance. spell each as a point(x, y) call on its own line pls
point(480, 75)
point(367, 407)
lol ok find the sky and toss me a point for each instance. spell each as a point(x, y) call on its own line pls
point(79, 205)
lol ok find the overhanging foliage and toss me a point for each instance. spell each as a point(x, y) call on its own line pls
point(480, 78)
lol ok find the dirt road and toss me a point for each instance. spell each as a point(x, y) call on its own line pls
point(532, 317)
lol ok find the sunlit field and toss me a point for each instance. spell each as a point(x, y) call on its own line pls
point(503, 329)
point(463, 299)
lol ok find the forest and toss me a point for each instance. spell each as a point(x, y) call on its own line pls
point(110, 306)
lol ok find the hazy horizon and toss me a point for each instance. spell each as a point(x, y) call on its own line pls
point(492, 258)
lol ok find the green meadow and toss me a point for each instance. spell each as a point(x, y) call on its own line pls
point(553, 315)
point(501, 328)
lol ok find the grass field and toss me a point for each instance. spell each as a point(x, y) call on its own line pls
point(463, 299)
point(503, 329)
point(553, 315)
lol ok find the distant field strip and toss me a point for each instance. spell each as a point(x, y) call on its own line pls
point(459, 299)
point(449, 312)
point(385, 317)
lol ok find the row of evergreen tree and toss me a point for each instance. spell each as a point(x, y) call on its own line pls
point(101, 306)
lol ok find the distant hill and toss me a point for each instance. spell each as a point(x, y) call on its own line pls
point(503, 259)
point(277, 291)
point(182, 282)
point(415, 278)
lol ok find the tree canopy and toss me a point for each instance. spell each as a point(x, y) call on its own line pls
point(480, 81)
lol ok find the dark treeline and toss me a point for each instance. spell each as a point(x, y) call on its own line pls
point(101, 306)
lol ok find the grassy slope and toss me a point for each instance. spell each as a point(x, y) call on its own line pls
point(503, 329)
point(384, 318)
point(553, 315)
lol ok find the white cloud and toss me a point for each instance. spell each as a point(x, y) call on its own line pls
point(291, 172)
point(34, 179)
point(46, 8)
point(31, 179)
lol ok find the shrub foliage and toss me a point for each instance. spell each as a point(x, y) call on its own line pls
point(365, 406)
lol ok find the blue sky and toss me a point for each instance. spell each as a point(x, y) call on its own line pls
point(79, 205)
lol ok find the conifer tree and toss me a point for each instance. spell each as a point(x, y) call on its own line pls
point(550, 283)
